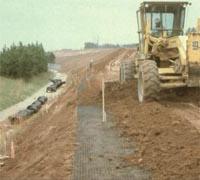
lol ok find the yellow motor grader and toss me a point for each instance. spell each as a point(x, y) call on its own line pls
point(166, 57)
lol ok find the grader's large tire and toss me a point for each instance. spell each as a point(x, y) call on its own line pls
point(148, 81)
point(126, 70)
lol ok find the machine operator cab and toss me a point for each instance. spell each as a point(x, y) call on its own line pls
point(161, 18)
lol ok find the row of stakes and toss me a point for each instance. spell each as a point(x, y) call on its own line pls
point(7, 149)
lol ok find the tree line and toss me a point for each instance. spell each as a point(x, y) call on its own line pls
point(24, 61)
point(91, 45)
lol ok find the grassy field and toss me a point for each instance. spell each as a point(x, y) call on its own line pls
point(13, 91)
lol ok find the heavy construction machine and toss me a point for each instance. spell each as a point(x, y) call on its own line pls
point(166, 57)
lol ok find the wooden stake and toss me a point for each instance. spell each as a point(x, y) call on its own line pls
point(103, 100)
point(12, 152)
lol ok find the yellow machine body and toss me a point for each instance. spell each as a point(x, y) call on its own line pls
point(177, 55)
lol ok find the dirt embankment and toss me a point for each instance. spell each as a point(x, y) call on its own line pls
point(45, 144)
point(81, 61)
point(166, 133)
point(93, 82)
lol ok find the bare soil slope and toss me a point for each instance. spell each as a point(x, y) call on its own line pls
point(168, 144)
point(45, 144)
point(166, 133)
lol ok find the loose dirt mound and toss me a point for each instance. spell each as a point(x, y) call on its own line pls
point(167, 143)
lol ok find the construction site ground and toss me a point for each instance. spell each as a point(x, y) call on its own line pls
point(155, 140)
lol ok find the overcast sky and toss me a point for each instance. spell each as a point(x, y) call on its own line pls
point(62, 24)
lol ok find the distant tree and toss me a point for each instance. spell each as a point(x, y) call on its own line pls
point(51, 57)
point(23, 61)
point(90, 45)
